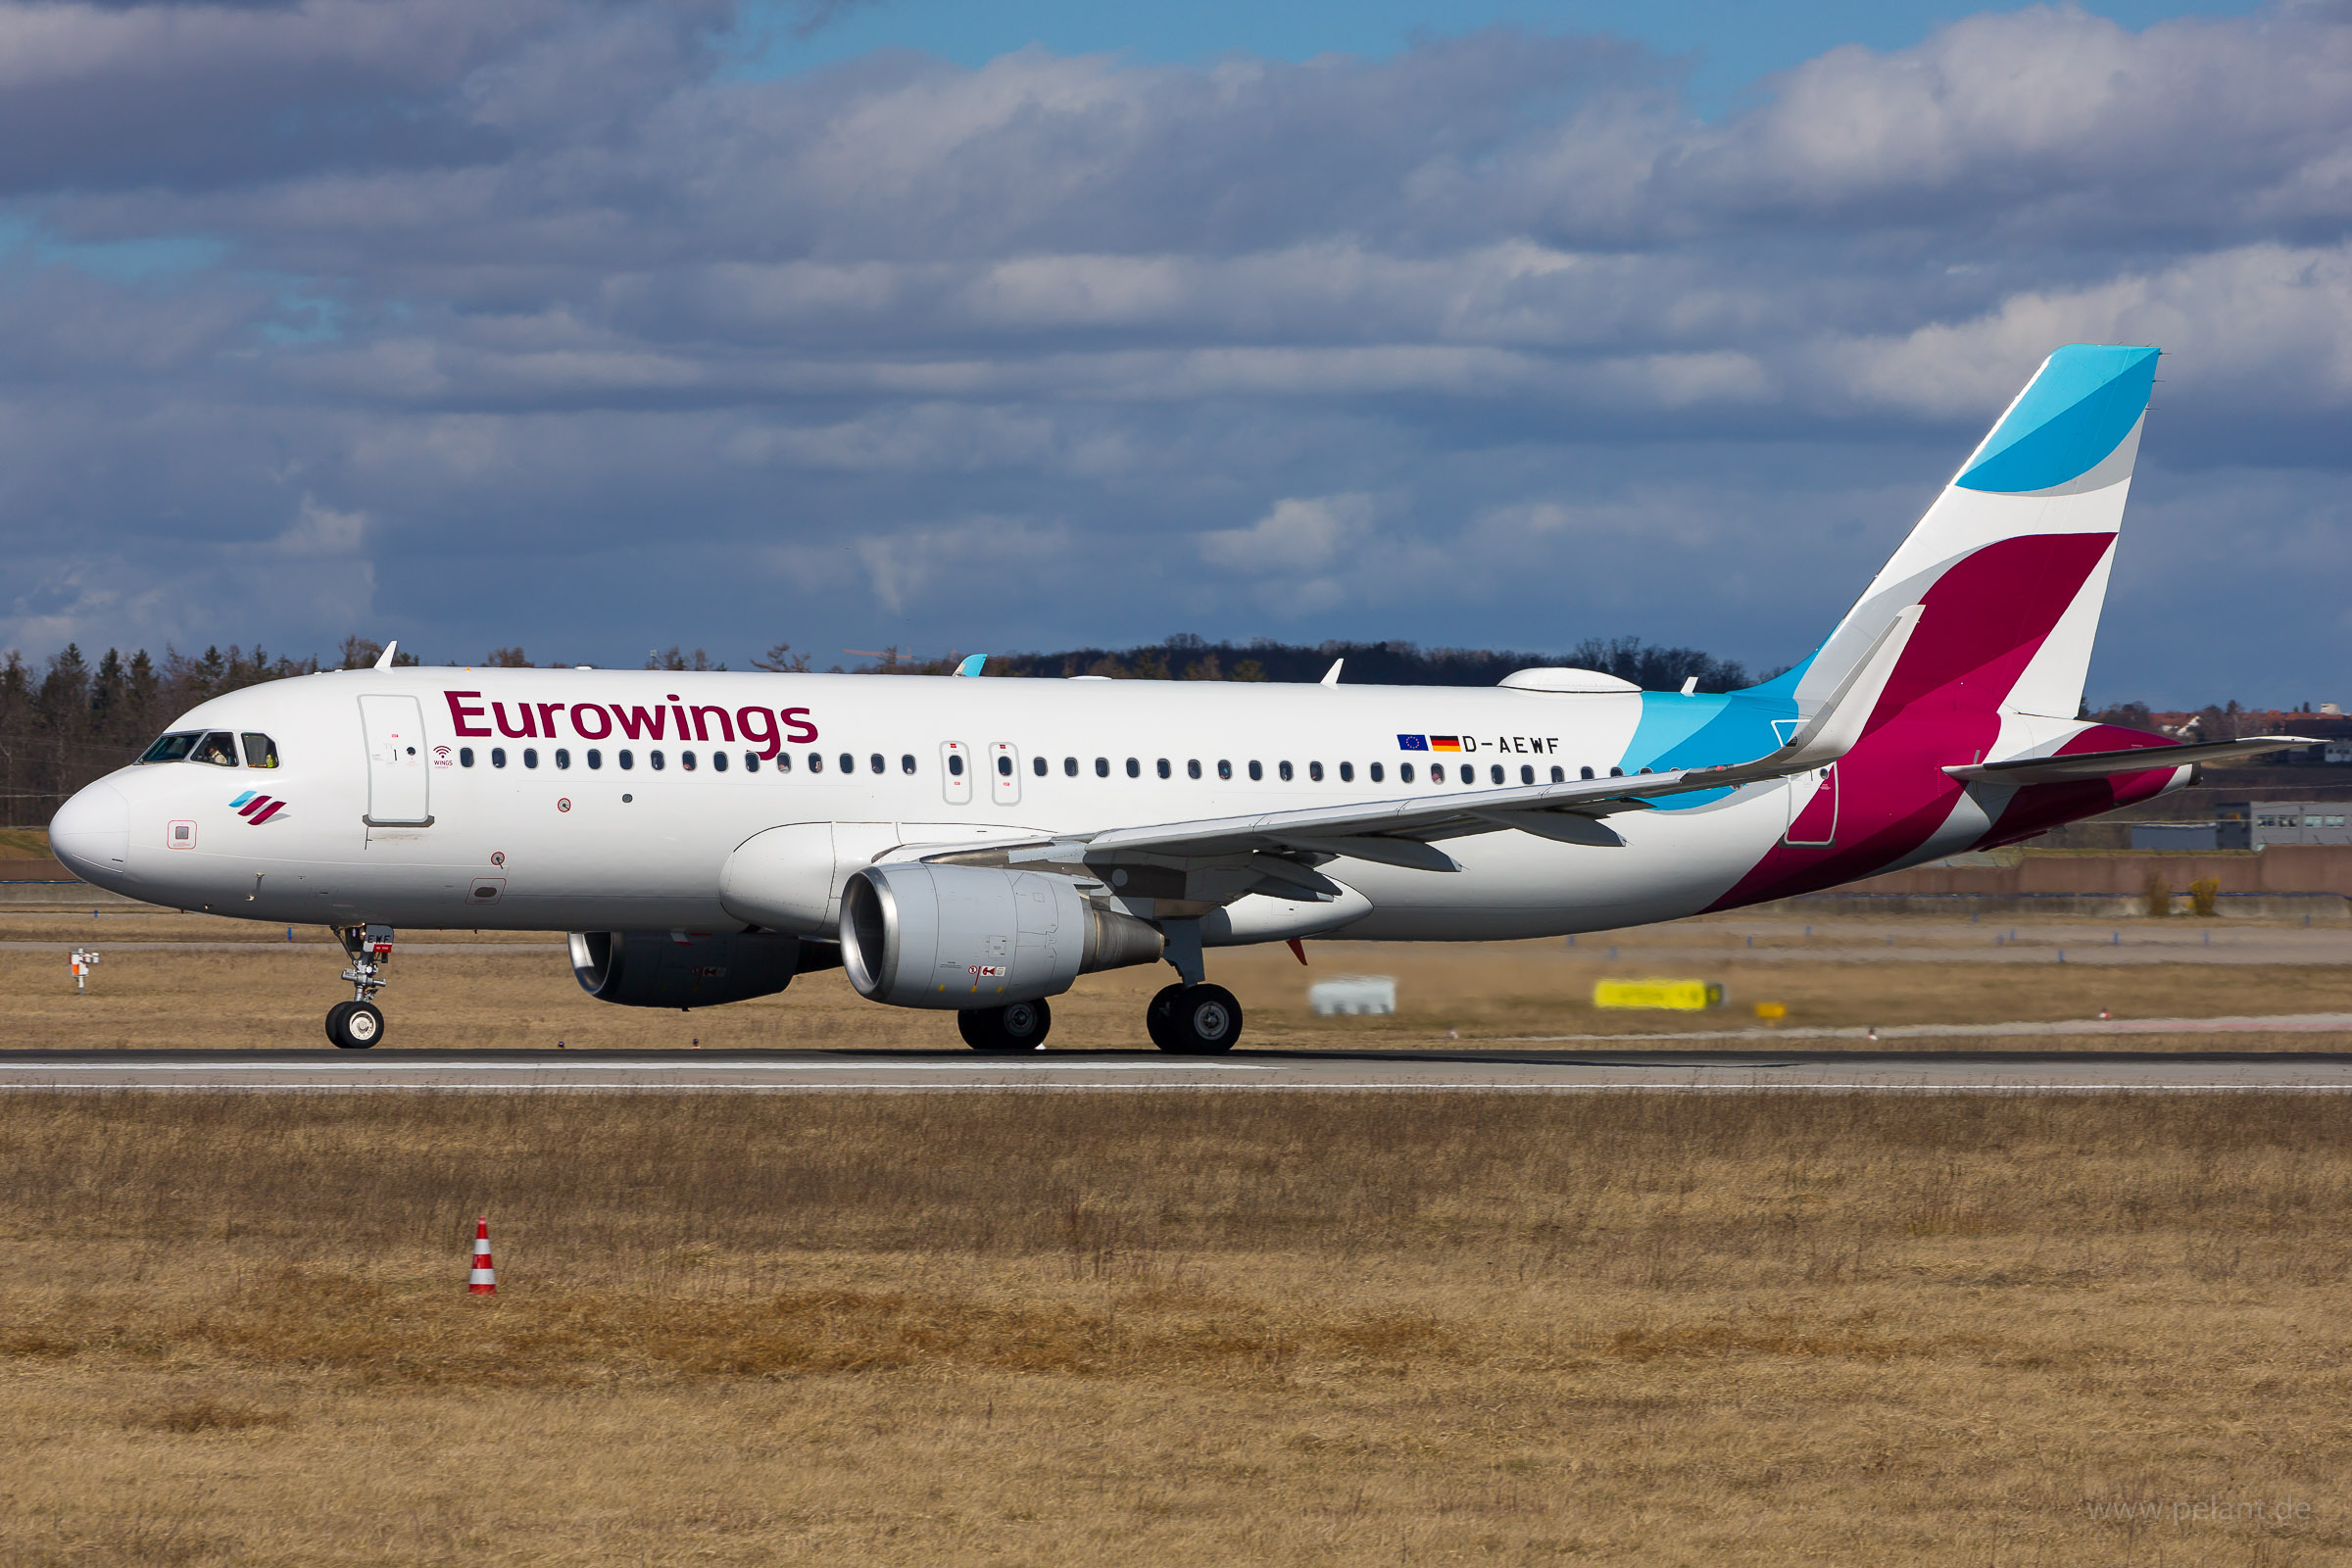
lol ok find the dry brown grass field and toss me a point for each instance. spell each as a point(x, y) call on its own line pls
point(1074, 1329)
point(269, 992)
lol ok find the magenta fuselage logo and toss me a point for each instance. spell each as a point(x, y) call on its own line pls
point(256, 807)
point(473, 718)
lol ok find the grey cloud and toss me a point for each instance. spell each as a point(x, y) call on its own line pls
point(542, 328)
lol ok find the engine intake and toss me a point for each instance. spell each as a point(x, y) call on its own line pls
point(692, 968)
point(973, 936)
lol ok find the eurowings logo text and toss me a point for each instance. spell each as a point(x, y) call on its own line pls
point(256, 807)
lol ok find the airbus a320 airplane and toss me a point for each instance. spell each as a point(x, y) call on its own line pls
point(977, 844)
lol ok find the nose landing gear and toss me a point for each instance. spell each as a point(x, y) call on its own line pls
point(358, 1023)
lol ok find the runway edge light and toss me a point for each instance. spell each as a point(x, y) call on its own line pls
point(483, 1281)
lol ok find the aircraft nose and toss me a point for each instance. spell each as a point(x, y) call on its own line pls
point(91, 833)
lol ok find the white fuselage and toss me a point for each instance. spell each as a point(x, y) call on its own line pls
point(579, 841)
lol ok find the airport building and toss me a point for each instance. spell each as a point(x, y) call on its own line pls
point(2250, 825)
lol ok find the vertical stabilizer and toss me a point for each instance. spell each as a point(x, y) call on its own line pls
point(2010, 564)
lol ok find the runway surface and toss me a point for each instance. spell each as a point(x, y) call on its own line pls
point(823, 1071)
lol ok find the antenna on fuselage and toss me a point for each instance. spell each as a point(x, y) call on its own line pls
point(383, 661)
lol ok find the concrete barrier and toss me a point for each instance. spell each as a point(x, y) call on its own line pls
point(2322, 908)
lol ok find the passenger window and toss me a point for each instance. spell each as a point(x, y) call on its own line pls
point(1347, 772)
point(1004, 765)
point(750, 761)
point(261, 752)
point(1437, 772)
point(1037, 765)
point(464, 756)
point(656, 761)
point(1650, 770)
point(1069, 767)
point(875, 765)
point(816, 762)
point(1314, 771)
point(1495, 774)
point(217, 748)
point(1616, 773)
point(1164, 770)
point(1584, 772)
point(1404, 771)
point(955, 766)
point(531, 757)
point(1224, 769)
point(784, 762)
point(686, 761)
point(1102, 767)
point(849, 763)
point(1283, 771)
point(1559, 774)
point(718, 761)
point(171, 748)
point(1192, 769)
point(562, 757)
point(1527, 773)
point(596, 758)
point(1379, 771)
point(1258, 770)
point(627, 757)
point(1135, 769)
point(906, 762)
point(498, 756)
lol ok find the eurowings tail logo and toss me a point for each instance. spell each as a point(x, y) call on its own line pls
point(256, 807)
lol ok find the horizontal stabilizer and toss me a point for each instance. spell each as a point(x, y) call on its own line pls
point(2106, 765)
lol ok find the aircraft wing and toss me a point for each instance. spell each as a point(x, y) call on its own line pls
point(2105, 764)
point(1404, 832)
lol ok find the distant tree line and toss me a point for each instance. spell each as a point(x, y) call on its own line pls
point(69, 719)
point(1393, 664)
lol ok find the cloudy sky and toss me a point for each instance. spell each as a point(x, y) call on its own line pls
point(597, 327)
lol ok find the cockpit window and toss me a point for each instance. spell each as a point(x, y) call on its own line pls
point(218, 748)
point(171, 748)
point(260, 749)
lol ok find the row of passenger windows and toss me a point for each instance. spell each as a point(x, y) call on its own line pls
point(876, 763)
point(1283, 771)
point(217, 747)
point(658, 761)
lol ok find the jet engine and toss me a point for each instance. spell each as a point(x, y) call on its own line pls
point(973, 936)
point(692, 968)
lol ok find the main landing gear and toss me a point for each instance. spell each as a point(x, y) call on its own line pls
point(1201, 1020)
point(1015, 1027)
point(1190, 1018)
point(358, 1023)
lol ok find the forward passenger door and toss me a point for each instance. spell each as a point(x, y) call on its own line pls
point(398, 780)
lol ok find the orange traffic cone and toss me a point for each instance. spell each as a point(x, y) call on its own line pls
point(483, 1281)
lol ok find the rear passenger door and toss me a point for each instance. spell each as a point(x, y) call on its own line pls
point(398, 788)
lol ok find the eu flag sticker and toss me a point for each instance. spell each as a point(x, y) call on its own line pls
point(1413, 742)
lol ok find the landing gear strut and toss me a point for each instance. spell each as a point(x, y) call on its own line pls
point(358, 1023)
point(1015, 1027)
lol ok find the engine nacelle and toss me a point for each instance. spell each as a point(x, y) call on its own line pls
point(692, 968)
point(977, 936)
